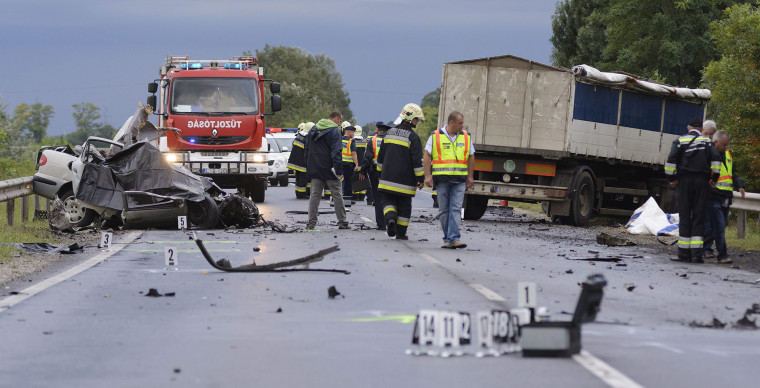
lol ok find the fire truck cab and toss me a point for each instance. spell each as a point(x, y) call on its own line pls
point(217, 110)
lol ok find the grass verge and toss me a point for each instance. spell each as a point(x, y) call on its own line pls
point(21, 232)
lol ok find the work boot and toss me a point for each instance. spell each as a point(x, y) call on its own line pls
point(391, 228)
point(725, 260)
point(380, 228)
point(446, 245)
point(343, 225)
point(709, 255)
point(457, 244)
point(311, 226)
point(681, 259)
point(402, 237)
point(697, 260)
point(435, 201)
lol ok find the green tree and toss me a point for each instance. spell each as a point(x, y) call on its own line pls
point(735, 83)
point(664, 40)
point(311, 86)
point(429, 125)
point(32, 121)
point(86, 116)
point(432, 99)
point(578, 36)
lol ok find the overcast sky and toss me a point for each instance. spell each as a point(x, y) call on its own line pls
point(389, 52)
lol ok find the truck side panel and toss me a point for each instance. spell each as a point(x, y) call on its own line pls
point(547, 100)
point(464, 89)
point(525, 108)
point(506, 106)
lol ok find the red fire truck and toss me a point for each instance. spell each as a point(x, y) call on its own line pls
point(218, 108)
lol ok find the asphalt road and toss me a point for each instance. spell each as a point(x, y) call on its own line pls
point(93, 325)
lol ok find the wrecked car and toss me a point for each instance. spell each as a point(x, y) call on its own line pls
point(126, 181)
point(53, 179)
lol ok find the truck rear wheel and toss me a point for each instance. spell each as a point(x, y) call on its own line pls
point(474, 206)
point(582, 204)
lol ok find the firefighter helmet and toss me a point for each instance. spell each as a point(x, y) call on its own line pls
point(345, 124)
point(412, 111)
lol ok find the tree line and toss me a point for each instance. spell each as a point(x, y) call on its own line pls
point(713, 44)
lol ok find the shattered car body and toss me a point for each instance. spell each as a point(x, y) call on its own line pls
point(127, 181)
point(53, 179)
point(140, 188)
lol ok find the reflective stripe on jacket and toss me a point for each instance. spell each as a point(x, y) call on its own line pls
point(346, 153)
point(450, 158)
point(726, 179)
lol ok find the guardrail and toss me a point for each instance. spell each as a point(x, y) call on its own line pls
point(15, 188)
point(750, 203)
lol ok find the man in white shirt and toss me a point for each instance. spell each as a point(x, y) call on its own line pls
point(449, 162)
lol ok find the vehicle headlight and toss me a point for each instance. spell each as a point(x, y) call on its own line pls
point(257, 157)
point(172, 158)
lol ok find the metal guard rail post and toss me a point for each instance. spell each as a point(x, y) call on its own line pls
point(12, 189)
point(750, 203)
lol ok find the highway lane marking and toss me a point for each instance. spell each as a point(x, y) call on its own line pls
point(604, 371)
point(487, 292)
point(28, 292)
point(597, 367)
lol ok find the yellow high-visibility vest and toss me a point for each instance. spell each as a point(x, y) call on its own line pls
point(450, 158)
point(346, 153)
point(726, 180)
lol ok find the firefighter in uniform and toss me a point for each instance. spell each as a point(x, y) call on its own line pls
point(369, 169)
point(719, 200)
point(297, 162)
point(401, 172)
point(692, 162)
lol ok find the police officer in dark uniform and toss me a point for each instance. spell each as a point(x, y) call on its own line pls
point(692, 163)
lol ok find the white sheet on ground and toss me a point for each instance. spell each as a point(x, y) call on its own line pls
point(650, 219)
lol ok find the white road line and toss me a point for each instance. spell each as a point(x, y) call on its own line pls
point(606, 373)
point(430, 258)
point(365, 219)
point(487, 292)
point(12, 300)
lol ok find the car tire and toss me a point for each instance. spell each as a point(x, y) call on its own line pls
point(203, 214)
point(79, 216)
point(284, 180)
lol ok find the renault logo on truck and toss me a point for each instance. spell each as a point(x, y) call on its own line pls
point(214, 133)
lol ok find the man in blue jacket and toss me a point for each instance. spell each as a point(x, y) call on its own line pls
point(322, 152)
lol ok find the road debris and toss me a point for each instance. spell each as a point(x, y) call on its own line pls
point(613, 241)
point(332, 292)
point(715, 324)
point(153, 292)
point(630, 286)
point(274, 267)
point(49, 248)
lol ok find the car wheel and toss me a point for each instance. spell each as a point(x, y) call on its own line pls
point(203, 214)
point(284, 180)
point(79, 215)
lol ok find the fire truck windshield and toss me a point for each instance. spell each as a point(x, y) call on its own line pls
point(219, 96)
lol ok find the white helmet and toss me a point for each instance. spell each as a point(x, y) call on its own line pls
point(304, 128)
point(345, 124)
point(358, 131)
point(300, 126)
